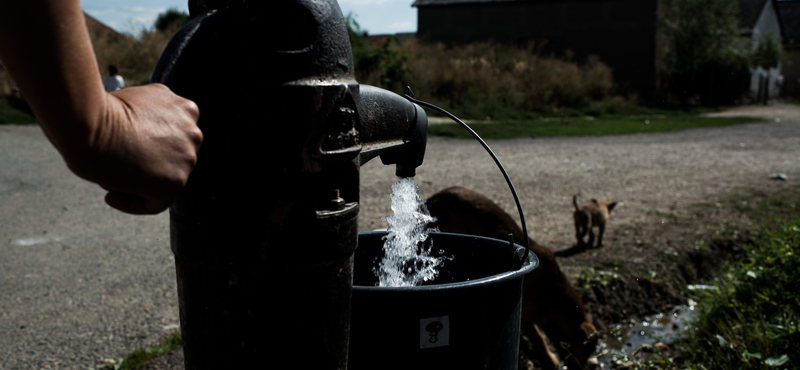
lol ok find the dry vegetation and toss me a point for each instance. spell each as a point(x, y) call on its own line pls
point(490, 77)
point(487, 79)
point(136, 57)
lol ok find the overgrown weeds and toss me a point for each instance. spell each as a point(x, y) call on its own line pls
point(752, 319)
point(486, 79)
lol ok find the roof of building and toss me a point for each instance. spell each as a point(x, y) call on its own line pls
point(94, 25)
point(789, 11)
point(750, 10)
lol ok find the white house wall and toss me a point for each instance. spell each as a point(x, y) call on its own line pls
point(767, 23)
point(760, 79)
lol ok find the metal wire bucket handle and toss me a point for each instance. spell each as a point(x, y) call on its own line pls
point(408, 94)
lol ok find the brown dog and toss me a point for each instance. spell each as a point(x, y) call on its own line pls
point(588, 216)
point(549, 303)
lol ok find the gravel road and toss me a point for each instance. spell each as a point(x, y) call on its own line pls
point(80, 283)
point(644, 172)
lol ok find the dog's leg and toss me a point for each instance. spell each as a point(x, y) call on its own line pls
point(538, 351)
point(591, 236)
point(600, 230)
point(580, 231)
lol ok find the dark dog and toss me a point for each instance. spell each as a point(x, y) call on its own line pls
point(588, 216)
point(550, 304)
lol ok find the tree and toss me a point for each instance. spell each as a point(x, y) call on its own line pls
point(384, 66)
point(705, 57)
point(768, 53)
point(172, 19)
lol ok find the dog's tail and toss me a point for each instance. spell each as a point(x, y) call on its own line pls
point(575, 201)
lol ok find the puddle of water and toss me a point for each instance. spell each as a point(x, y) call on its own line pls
point(661, 328)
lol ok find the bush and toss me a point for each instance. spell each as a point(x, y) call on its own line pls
point(484, 79)
point(706, 59)
point(135, 57)
point(171, 20)
point(385, 65)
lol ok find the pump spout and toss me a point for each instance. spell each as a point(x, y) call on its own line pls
point(393, 128)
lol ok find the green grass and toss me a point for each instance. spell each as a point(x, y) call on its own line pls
point(579, 126)
point(9, 114)
point(752, 319)
point(141, 357)
point(589, 277)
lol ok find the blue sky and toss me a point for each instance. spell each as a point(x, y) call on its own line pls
point(374, 16)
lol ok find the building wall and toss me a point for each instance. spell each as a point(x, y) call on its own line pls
point(767, 23)
point(765, 81)
point(789, 12)
point(621, 32)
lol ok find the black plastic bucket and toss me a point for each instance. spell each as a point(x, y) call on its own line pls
point(467, 318)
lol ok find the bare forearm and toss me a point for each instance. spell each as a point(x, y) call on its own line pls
point(139, 143)
point(46, 49)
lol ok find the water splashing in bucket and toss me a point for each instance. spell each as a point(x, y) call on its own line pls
point(407, 260)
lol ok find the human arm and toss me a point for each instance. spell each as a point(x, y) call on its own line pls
point(138, 143)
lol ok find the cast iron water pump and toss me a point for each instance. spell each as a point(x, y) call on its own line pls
point(265, 230)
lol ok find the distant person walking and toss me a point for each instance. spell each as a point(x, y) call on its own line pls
point(114, 81)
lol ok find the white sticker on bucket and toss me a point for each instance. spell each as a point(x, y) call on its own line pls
point(434, 332)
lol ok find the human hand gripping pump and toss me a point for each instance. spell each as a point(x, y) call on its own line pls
point(139, 143)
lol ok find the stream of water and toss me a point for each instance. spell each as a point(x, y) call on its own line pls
point(407, 261)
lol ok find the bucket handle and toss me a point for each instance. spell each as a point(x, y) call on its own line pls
point(408, 94)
